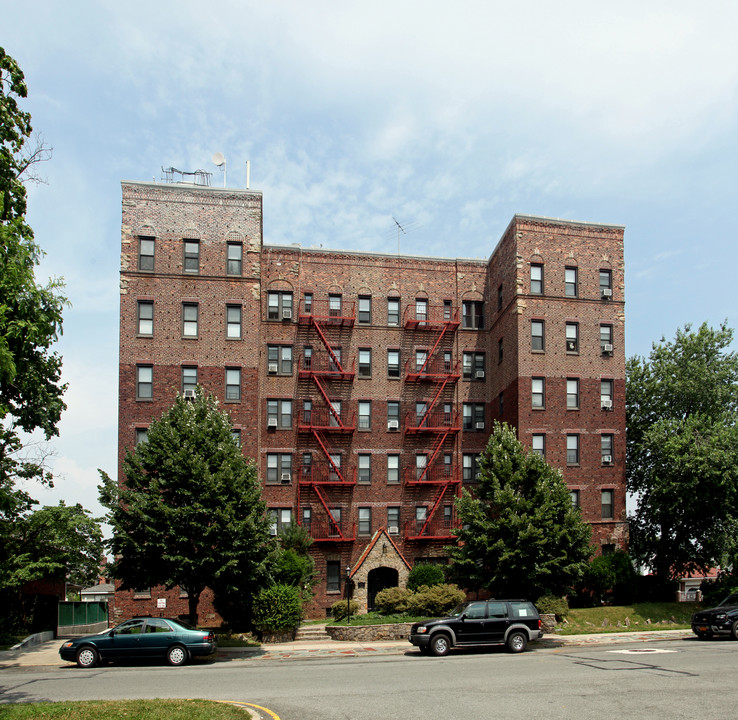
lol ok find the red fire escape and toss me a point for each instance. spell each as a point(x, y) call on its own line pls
point(434, 418)
point(323, 416)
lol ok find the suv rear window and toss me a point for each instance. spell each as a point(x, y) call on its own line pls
point(523, 609)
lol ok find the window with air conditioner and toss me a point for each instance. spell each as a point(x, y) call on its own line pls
point(572, 337)
point(279, 468)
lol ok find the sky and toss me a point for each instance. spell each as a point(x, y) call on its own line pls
point(448, 117)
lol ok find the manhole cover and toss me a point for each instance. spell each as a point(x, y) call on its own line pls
point(642, 651)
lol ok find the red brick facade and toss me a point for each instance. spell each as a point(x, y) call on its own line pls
point(416, 356)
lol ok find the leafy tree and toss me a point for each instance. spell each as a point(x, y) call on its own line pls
point(521, 535)
point(294, 564)
point(425, 574)
point(188, 512)
point(682, 452)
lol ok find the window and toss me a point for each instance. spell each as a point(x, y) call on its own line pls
point(393, 311)
point(421, 408)
point(365, 414)
point(537, 335)
point(448, 514)
point(365, 362)
point(572, 337)
point(393, 469)
point(448, 460)
point(142, 435)
point(421, 357)
point(146, 253)
point(192, 256)
point(572, 394)
point(606, 339)
point(335, 522)
point(473, 416)
point(606, 394)
point(421, 464)
point(279, 306)
point(393, 363)
point(279, 468)
point(421, 309)
point(145, 312)
point(307, 518)
point(393, 520)
point(470, 467)
point(190, 313)
point(570, 282)
point(279, 359)
point(280, 518)
point(473, 365)
point(307, 303)
point(189, 378)
point(393, 415)
point(447, 310)
point(572, 449)
point(365, 521)
point(333, 576)
point(144, 382)
point(236, 435)
point(279, 414)
point(606, 441)
point(538, 444)
point(500, 350)
point(538, 392)
point(334, 470)
point(233, 384)
point(234, 254)
point(607, 505)
point(365, 469)
point(605, 284)
point(536, 279)
point(574, 495)
point(233, 321)
point(334, 305)
point(365, 310)
point(472, 315)
point(335, 413)
point(421, 513)
point(501, 404)
point(499, 298)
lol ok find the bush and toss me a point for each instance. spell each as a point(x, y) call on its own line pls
point(436, 600)
point(392, 600)
point(551, 604)
point(713, 591)
point(277, 608)
point(338, 609)
point(609, 579)
point(425, 574)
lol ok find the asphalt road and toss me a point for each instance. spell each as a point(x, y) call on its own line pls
point(671, 679)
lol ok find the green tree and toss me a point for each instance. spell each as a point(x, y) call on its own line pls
point(293, 564)
point(188, 511)
point(682, 452)
point(521, 535)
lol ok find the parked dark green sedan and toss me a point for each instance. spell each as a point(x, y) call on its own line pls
point(145, 637)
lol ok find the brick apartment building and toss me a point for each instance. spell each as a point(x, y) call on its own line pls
point(365, 384)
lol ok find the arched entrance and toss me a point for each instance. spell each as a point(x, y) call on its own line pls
point(379, 579)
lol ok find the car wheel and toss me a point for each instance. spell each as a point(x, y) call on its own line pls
point(176, 655)
point(87, 657)
point(440, 644)
point(704, 636)
point(516, 642)
point(734, 631)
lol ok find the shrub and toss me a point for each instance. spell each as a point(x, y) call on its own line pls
point(713, 591)
point(338, 609)
point(553, 605)
point(436, 600)
point(277, 608)
point(425, 574)
point(392, 600)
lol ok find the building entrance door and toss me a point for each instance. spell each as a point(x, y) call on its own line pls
point(379, 579)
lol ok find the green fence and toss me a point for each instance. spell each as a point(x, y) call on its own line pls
point(82, 613)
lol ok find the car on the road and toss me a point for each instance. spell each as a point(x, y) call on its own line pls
point(142, 637)
point(720, 620)
point(512, 623)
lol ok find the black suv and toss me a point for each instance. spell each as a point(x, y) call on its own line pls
point(720, 620)
point(512, 623)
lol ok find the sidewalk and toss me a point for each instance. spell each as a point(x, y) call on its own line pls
point(47, 653)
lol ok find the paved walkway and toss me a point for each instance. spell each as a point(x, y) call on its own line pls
point(47, 653)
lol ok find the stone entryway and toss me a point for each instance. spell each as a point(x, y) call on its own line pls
point(379, 579)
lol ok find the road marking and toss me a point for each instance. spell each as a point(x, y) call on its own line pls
point(238, 703)
point(642, 651)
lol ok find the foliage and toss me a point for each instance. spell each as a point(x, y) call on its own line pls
point(550, 604)
point(425, 574)
point(682, 452)
point(293, 564)
point(189, 511)
point(436, 600)
point(521, 536)
point(714, 591)
point(392, 600)
point(609, 578)
point(339, 609)
point(277, 608)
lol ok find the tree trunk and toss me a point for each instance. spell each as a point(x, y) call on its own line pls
point(193, 599)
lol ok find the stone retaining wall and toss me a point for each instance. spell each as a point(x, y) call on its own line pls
point(370, 633)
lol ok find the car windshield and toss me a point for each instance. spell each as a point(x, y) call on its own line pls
point(732, 599)
point(458, 610)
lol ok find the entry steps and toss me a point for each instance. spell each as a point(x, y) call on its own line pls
point(311, 633)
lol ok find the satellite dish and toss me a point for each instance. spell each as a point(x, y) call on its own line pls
point(219, 159)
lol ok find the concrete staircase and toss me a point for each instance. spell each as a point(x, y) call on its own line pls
point(311, 633)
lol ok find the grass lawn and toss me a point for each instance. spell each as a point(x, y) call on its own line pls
point(662, 616)
point(128, 709)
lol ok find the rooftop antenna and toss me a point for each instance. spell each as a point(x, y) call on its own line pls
point(220, 161)
point(400, 229)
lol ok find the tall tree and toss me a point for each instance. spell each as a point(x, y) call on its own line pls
point(682, 451)
point(188, 511)
point(521, 534)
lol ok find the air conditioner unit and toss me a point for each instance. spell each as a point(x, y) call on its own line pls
point(606, 404)
point(480, 426)
point(607, 459)
point(606, 292)
point(273, 367)
point(188, 394)
point(393, 529)
point(272, 423)
point(286, 477)
point(287, 314)
point(479, 374)
point(607, 348)
point(393, 425)
point(571, 346)
point(478, 476)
